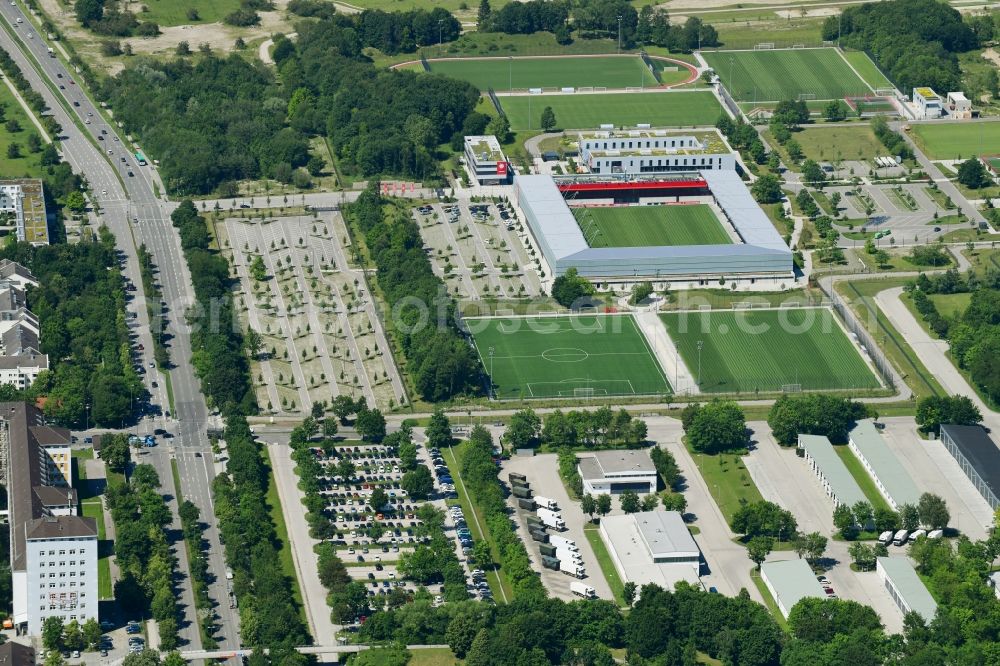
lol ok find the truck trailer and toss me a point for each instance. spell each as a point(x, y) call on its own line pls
point(514, 477)
point(570, 555)
point(550, 563)
point(534, 521)
point(582, 590)
point(526, 504)
point(521, 493)
point(552, 519)
point(546, 503)
point(540, 537)
point(572, 569)
point(563, 542)
point(547, 549)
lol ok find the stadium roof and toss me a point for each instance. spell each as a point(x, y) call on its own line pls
point(910, 589)
point(883, 462)
point(981, 452)
point(566, 240)
point(791, 581)
point(844, 488)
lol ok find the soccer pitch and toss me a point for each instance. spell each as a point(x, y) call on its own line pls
point(775, 75)
point(945, 141)
point(586, 111)
point(637, 226)
point(567, 356)
point(503, 74)
point(764, 350)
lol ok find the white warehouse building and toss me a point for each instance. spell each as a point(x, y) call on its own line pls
point(882, 465)
point(614, 472)
point(652, 547)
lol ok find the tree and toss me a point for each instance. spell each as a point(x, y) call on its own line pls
point(640, 292)
point(815, 546)
point(881, 258)
point(843, 520)
point(834, 111)
point(482, 22)
point(767, 189)
point(144, 658)
point(885, 519)
point(933, 511)
point(329, 427)
point(548, 121)
point(370, 424)
point(628, 593)
point(758, 548)
point(522, 430)
point(75, 201)
point(812, 173)
point(909, 517)
point(115, 451)
point(603, 504)
point(569, 288)
point(377, 500)
point(13, 150)
point(863, 514)
point(933, 411)
point(183, 49)
point(418, 483)
point(500, 128)
point(73, 638)
point(717, 426)
point(588, 505)
point(764, 518)
point(650, 502)
point(345, 469)
point(629, 501)
point(34, 143)
point(52, 632)
point(92, 632)
point(258, 271)
point(463, 627)
point(675, 502)
point(438, 430)
point(481, 554)
point(972, 174)
point(88, 11)
point(862, 554)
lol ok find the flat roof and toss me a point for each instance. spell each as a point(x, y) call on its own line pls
point(619, 462)
point(927, 93)
point(486, 148)
point(909, 586)
point(845, 489)
point(980, 450)
point(792, 581)
point(665, 534)
point(710, 143)
point(628, 548)
point(890, 473)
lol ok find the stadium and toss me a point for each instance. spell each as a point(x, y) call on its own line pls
point(685, 229)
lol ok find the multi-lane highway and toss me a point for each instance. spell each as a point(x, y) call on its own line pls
point(133, 212)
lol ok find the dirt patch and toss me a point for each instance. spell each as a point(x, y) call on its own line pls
point(712, 4)
point(991, 55)
point(819, 12)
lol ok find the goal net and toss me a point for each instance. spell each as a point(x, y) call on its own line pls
point(791, 388)
point(742, 305)
point(704, 308)
point(586, 89)
point(806, 96)
point(763, 46)
point(633, 89)
point(885, 92)
point(504, 312)
point(600, 89)
point(798, 46)
point(584, 392)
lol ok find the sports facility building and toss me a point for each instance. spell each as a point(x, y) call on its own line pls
point(744, 248)
point(653, 151)
point(486, 160)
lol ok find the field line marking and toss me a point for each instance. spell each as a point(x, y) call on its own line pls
point(856, 72)
point(649, 353)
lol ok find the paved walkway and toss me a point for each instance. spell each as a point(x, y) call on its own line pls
point(666, 353)
point(321, 626)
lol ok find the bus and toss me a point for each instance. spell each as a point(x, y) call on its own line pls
point(140, 159)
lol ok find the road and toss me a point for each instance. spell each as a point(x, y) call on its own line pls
point(123, 198)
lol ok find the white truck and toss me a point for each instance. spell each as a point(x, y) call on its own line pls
point(546, 503)
point(572, 569)
point(886, 537)
point(551, 519)
point(570, 555)
point(901, 538)
point(582, 590)
point(563, 542)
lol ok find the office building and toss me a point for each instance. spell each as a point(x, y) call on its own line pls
point(614, 472)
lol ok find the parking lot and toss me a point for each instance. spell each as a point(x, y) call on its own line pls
point(320, 336)
point(542, 472)
point(478, 250)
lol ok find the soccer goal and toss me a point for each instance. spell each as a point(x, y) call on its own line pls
point(885, 92)
point(806, 96)
point(585, 89)
point(791, 388)
point(763, 46)
point(798, 46)
point(743, 305)
point(705, 308)
point(600, 89)
point(633, 89)
point(504, 312)
point(584, 392)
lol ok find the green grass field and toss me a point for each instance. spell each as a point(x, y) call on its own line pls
point(174, 12)
point(661, 109)
point(643, 226)
point(785, 74)
point(105, 548)
point(868, 70)
point(750, 350)
point(550, 357)
point(946, 141)
point(502, 74)
point(838, 142)
point(28, 164)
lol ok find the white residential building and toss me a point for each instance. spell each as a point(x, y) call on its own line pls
point(23, 200)
point(651, 151)
point(958, 106)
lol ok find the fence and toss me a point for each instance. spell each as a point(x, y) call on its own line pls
point(652, 68)
point(496, 102)
point(513, 45)
point(879, 359)
point(423, 61)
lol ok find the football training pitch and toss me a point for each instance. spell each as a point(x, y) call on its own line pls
point(570, 356)
point(504, 74)
point(768, 350)
point(638, 226)
point(774, 75)
point(585, 111)
point(945, 141)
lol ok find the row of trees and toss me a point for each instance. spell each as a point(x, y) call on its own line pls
point(891, 139)
point(715, 427)
point(930, 511)
point(142, 552)
point(591, 429)
point(218, 353)
point(442, 363)
point(403, 32)
point(32, 97)
point(479, 473)
point(269, 616)
point(80, 302)
point(193, 531)
point(814, 414)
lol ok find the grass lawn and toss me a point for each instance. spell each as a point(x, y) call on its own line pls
point(950, 305)
point(744, 29)
point(28, 164)
point(433, 657)
point(105, 548)
point(661, 109)
point(776, 75)
point(768, 599)
point(567, 356)
point(285, 552)
point(839, 142)
point(593, 535)
point(860, 295)
point(945, 141)
point(867, 69)
point(505, 73)
point(497, 580)
point(751, 350)
point(728, 480)
point(857, 470)
point(635, 226)
point(175, 12)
